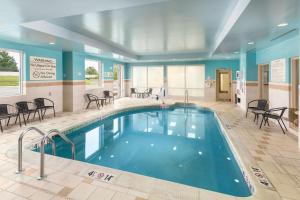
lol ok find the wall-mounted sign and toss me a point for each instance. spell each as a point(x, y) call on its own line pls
point(278, 70)
point(42, 68)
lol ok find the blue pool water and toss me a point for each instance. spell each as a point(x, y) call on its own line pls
point(183, 145)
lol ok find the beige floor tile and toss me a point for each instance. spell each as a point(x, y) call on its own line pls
point(82, 191)
point(41, 196)
point(287, 191)
point(123, 196)
point(102, 193)
point(7, 195)
point(22, 190)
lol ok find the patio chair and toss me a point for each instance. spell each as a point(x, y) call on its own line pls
point(24, 109)
point(274, 113)
point(93, 98)
point(132, 91)
point(5, 114)
point(44, 104)
point(147, 93)
point(261, 104)
point(109, 95)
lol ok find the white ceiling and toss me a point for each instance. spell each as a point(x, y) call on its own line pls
point(149, 29)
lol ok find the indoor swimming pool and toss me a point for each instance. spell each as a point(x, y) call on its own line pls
point(179, 144)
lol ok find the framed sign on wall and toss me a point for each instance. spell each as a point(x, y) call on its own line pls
point(278, 70)
point(42, 68)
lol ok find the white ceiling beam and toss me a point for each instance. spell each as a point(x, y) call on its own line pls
point(14, 12)
point(232, 18)
point(60, 32)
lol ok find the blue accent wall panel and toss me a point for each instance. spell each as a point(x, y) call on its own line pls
point(284, 49)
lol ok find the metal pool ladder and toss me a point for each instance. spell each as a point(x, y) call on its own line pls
point(186, 96)
point(65, 138)
point(42, 148)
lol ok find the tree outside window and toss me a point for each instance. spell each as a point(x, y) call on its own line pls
point(10, 77)
point(92, 74)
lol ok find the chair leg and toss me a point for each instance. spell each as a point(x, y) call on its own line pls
point(87, 107)
point(8, 121)
point(255, 116)
point(54, 111)
point(24, 119)
point(19, 120)
point(262, 120)
point(34, 114)
point(281, 126)
point(247, 113)
point(28, 116)
point(40, 115)
point(97, 103)
point(16, 119)
point(1, 126)
point(43, 114)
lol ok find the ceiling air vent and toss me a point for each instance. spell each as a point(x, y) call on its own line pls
point(284, 34)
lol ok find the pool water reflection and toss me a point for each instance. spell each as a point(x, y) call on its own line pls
point(183, 145)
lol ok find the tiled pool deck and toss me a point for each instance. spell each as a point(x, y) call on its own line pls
point(268, 149)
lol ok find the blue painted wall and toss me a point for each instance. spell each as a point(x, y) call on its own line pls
point(251, 67)
point(74, 65)
point(29, 50)
point(284, 49)
point(210, 66)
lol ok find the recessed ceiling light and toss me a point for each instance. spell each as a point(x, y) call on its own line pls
point(236, 52)
point(51, 43)
point(282, 24)
point(250, 43)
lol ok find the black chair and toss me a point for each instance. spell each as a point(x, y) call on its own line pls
point(5, 114)
point(132, 91)
point(109, 95)
point(23, 108)
point(148, 93)
point(259, 104)
point(44, 104)
point(93, 98)
point(274, 113)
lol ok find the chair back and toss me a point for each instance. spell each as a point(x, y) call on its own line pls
point(282, 111)
point(3, 109)
point(39, 102)
point(279, 111)
point(106, 93)
point(262, 104)
point(150, 91)
point(89, 96)
point(22, 106)
point(132, 90)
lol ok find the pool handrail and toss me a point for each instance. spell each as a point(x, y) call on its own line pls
point(42, 150)
point(65, 138)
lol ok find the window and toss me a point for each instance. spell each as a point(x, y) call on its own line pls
point(176, 80)
point(139, 78)
point(93, 70)
point(148, 77)
point(155, 78)
point(195, 80)
point(181, 78)
point(10, 72)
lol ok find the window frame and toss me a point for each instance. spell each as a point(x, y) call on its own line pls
point(100, 72)
point(21, 72)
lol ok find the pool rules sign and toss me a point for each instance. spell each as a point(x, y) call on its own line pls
point(42, 68)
